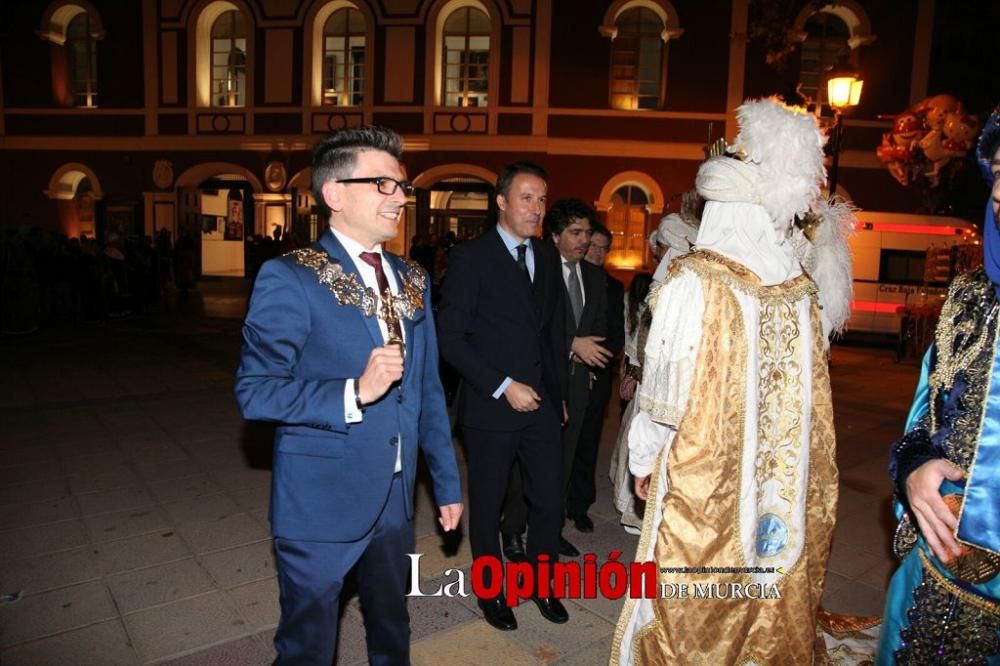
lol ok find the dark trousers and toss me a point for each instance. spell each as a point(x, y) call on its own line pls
point(581, 489)
point(515, 509)
point(311, 576)
point(538, 452)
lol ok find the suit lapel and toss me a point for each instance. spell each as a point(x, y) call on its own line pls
point(339, 255)
point(544, 273)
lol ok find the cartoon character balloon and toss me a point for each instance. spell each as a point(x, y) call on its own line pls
point(960, 132)
point(899, 147)
point(926, 138)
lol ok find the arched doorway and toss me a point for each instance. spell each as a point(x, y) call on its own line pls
point(76, 190)
point(458, 206)
point(452, 200)
point(217, 212)
point(306, 220)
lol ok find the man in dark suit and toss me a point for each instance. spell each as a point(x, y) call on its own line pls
point(502, 328)
point(339, 349)
point(569, 225)
point(582, 487)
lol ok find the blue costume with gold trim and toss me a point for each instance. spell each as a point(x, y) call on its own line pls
point(937, 613)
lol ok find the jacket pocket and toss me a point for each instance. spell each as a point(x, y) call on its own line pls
point(305, 445)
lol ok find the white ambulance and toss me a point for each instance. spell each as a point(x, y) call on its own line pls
point(891, 252)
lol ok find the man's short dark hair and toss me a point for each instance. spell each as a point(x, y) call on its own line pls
point(601, 230)
point(562, 213)
point(512, 170)
point(336, 155)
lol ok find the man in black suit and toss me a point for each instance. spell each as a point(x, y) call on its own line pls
point(581, 480)
point(569, 225)
point(502, 327)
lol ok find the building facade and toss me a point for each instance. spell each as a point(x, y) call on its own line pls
point(198, 116)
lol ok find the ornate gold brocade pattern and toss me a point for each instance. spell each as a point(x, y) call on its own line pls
point(349, 291)
point(840, 625)
point(701, 524)
point(703, 474)
point(779, 420)
point(712, 265)
point(963, 333)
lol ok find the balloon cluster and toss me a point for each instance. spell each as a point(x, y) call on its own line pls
point(925, 138)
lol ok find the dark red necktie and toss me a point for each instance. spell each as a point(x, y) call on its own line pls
point(374, 259)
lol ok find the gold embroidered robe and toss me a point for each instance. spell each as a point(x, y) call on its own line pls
point(745, 477)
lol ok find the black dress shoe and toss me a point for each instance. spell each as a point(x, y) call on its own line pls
point(513, 548)
point(582, 522)
point(551, 609)
point(567, 549)
point(499, 615)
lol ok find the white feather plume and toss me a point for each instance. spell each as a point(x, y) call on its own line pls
point(830, 261)
point(787, 145)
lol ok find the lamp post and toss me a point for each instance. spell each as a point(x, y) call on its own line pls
point(843, 91)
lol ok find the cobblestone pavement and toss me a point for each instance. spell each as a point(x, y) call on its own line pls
point(133, 506)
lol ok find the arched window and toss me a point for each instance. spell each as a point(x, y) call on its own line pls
point(828, 35)
point(466, 56)
point(637, 71)
point(81, 61)
point(627, 219)
point(344, 58)
point(229, 59)
point(824, 46)
point(73, 27)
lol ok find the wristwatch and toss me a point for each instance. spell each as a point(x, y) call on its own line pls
point(357, 395)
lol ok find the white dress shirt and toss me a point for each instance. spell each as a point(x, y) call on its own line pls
point(354, 249)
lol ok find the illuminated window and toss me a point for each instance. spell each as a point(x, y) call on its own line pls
point(74, 28)
point(81, 61)
point(229, 59)
point(637, 60)
point(466, 55)
point(627, 219)
point(344, 58)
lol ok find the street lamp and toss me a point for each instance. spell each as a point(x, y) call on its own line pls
point(843, 90)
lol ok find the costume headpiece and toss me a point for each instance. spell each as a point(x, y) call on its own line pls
point(989, 140)
point(752, 201)
point(782, 169)
point(675, 232)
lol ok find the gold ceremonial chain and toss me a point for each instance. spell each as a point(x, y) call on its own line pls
point(349, 291)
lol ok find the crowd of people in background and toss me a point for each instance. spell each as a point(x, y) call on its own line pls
point(47, 277)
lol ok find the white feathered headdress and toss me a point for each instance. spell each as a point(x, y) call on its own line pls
point(786, 145)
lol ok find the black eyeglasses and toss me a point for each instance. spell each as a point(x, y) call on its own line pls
point(385, 185)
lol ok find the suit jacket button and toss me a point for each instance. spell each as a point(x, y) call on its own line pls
point(393, 441)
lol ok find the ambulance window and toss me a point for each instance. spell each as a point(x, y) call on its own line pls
point(902, 267)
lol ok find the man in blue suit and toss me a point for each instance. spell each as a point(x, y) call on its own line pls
point(339, 349)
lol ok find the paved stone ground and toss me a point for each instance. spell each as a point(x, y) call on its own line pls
point(133, 506)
